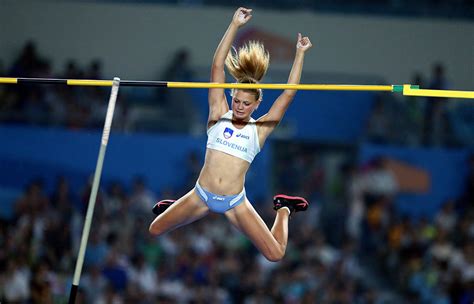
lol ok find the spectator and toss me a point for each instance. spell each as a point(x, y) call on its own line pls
point(26, 64)
point(178, 69)
point(144, 276)
point(414, 107)
point(180, 114)
point(142, 198)
point(15, 285)
point(436, 124)
point(446, 218)
point(97, 250)
point(93, 283)
point(41, 291)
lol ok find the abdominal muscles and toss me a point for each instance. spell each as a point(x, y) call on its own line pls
point(222, 173)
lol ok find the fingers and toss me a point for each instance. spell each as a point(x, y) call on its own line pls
point(242, 15)
point(302, 39)
point(303, 42)
point(245, 12)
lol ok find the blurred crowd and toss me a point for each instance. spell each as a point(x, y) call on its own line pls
point(429, 260)
point(425, 259)
point(422, 121)
point(206, 262)
point(71, 107)
point(366, 252)
point(85, 107)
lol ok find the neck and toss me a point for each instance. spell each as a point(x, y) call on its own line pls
point(240, 122)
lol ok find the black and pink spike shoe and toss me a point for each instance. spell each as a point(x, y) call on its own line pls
point(294, 203)
point(161, 206)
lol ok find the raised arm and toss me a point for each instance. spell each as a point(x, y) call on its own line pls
point(217, 101)
point(269, 121)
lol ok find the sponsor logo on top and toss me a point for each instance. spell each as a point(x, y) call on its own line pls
point(243, 136)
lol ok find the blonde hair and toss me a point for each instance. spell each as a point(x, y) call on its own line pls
point(248, 65)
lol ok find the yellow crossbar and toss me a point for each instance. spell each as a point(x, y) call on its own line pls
point(8, 80)
point(95, 83)
point(281, 86)
point(407, 91)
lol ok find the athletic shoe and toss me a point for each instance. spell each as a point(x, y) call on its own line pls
point(161, 206)
point(294, 203)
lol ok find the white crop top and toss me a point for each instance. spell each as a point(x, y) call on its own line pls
point(242, 143)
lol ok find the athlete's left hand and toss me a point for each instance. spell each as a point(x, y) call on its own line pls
point(303, 43)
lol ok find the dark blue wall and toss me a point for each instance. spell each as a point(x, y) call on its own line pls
point(448, 170)
point(26, 153)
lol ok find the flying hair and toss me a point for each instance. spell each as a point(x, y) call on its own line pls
point(248, 64)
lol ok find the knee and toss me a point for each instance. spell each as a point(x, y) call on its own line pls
point(275, 255)
point(153, 229)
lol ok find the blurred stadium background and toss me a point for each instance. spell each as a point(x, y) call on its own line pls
point(390, 178)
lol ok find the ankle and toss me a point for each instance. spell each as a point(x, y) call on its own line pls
point(286, 209)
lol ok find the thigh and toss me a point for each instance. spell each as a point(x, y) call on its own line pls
point(246, 219)
point(185, 210)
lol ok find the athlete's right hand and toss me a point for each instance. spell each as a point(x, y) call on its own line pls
point(241, 16)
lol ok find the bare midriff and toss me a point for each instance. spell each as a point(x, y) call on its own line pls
point(223, 174)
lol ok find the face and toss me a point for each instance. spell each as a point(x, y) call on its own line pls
point(243, 104)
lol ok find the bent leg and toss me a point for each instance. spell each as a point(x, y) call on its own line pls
point(271, 243)
point(185, 210)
